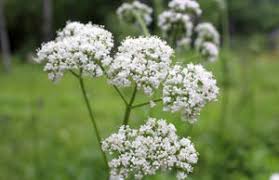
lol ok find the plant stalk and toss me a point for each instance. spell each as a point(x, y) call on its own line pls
point(129, 107)
point(146, 103)
point(85, 96)
point(142, 24)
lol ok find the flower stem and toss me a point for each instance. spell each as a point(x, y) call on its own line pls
point(142, 24)
point(115, 87)
point(129, 107)
point(146, 103)
point(85, 96)
point(224, 63)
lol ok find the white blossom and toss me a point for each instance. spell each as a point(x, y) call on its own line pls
point(206, 32)
point(207, 42)
point(188, 90)
point(209, 51)
point(274, 176)
point(176, 25)
point(126, 12)
point(185, 6)
point(112, 177)
point(82, 47)
point(143, 60)
point(154, 146)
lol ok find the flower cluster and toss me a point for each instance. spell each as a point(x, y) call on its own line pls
point(188, 89)
point(274, 176)
point(176, 24)
point(82, 47)
point(207, 41)
point(191, 7)
point(209, 51)
point(154, 146)
point(126, 12)
point(143, 60)
point(178, 21)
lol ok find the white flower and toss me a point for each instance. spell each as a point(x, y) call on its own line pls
point(274, 176)
point(82, 47)
point(186, 6)
point(207, 42)
point(143, 60)
point(126, 12)
point(188, 90)
point(209, 51)
point(176, 24)
point(116, 178)
point(154, 146)
point(206, 32)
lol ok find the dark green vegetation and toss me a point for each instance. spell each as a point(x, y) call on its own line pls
point(24, 18)
point(45, 131)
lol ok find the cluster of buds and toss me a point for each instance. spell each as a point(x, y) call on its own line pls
point(177, 22)
point(154, 146)
point(207, 42)
point(126, 12)
point(78, 47)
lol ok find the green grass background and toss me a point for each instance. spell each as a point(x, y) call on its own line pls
point(46, 133)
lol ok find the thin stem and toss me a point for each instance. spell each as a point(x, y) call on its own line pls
point(120, 94)
point(146, 103)
point(129, 107)
point(85, 96)
point(115, 87)
point(224, 63)
point(142, 24)
point(74, 73)
point(225, 23)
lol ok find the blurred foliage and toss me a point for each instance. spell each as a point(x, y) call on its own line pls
point(45, 132)
point(24, 18)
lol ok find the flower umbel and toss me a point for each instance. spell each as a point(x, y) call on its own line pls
point(126, 12)
point(274, 176)
point(82, 47)
point(176, 24)
point(191, 7)
point(143, 60)
point(154, 146)
point(189, 89)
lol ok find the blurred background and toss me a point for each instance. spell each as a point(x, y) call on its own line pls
point(45, 131)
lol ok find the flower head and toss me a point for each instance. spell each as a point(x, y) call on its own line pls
point(274, 176)
point(143, 60)
point(188, 90)
point(154, 146)
point(206, 32)
point(126, 12)
point(191, 7)
point(172, 22)
point(209, 51)
point(207, 42)
point(82, 47)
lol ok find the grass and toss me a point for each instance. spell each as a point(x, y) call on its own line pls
point(45, 131)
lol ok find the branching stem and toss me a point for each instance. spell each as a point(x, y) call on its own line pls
point(89, 108)
point(129, 107)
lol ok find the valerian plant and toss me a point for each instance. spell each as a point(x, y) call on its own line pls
point(146, 64)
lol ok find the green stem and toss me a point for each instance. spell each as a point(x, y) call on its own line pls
point(142, 24)
point(224, 64)
point(85, 96)
point(129, 107)
point(146, 103)
point(225, 23)
point(115, 87)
